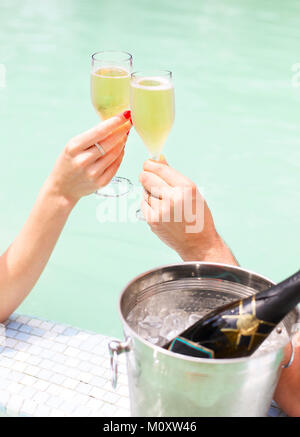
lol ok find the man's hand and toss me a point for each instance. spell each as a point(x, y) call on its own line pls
point(178, 214)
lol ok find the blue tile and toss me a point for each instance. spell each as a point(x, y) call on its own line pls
point(8, 352)
point(10, 333)
point(25, 328)
point(70, 331)
point(22, 336)
point(13, 325)
point(38, 331)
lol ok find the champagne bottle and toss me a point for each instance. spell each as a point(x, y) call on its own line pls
point(237, 329)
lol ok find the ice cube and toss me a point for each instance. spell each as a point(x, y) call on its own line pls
point(173, 323)
point(149, 327)
point(193, 318)
point(172, 334)
point(153, 340)
point(151, 322)
point(164, 312)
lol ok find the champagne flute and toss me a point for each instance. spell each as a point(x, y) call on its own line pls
point(152, 110)
point(110, 90)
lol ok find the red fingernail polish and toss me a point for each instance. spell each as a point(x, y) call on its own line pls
point(127, 114)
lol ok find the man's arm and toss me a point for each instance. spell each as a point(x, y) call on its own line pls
point(162, 201)
point(287, 393)
point(217, 251)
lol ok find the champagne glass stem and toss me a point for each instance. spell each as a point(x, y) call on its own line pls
point(155, 157)
point(139, 213)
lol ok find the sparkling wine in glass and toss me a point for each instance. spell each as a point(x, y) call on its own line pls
point(110, 95)
point(152, 106)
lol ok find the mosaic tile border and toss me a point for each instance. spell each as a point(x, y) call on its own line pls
point(51, 369)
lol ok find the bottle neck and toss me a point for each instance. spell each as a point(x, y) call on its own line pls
point(273, 304)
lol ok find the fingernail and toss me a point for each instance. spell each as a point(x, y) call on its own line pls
point(127, 114)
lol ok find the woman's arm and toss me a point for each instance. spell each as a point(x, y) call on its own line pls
point(23, 262)
point(80, 170)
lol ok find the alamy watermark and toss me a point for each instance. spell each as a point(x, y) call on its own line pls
point(162, 205)
point(2, 76)
point(296, 76)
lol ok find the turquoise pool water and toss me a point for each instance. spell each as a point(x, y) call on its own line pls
point(236, 134)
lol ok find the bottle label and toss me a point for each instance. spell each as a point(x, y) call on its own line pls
point(245, 327)
point(183, 346)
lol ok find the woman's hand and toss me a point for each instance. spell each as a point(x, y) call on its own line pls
point(82, 168)
point(178, 214)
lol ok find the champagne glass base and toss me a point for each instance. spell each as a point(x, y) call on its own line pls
point(140, 216)
point(117, 187)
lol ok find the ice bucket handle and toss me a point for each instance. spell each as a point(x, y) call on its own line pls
point(286, 366)
point(116, 348)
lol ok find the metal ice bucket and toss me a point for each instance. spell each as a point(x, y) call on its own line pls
point(165, 384)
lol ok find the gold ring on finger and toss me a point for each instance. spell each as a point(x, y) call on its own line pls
point(100, 148)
